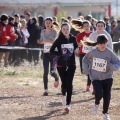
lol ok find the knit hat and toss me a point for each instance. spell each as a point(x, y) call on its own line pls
point(4, 17)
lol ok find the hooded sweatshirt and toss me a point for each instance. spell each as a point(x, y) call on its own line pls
point(62, 43)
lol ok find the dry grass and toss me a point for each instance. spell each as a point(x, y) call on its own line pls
point(21, 97)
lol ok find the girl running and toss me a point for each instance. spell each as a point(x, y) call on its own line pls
point(65, 44)
point(85, 25)
point(99, 64)
point(48, 36)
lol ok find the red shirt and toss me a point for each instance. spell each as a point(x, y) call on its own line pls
point(3, 40)
point(10, 31)
point(80, 37)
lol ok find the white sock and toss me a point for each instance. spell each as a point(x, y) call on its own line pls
point(46, 90)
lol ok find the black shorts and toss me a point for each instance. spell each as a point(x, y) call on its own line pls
point(4, 50)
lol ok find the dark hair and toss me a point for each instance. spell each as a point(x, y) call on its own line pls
point(22, 16)
point(63, 24)
point(34, 19)
point(4, 17)
point(16, 15)
point(88, 17)
point(56, 24)
point(69, 17)
point(101, 21)
point(64, 20)
point(106, 18)
point(86, 22)
point(54, 17)
point(118, 20)
point(10, 19)
point(28, 14)
point(78, 24)
point(101, 39)
point(49, 18)
point(41, 20)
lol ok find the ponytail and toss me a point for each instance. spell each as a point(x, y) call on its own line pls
point(101, 39)
point(89, 43)
point(77, 24)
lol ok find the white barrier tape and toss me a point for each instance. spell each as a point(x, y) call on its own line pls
point(115, 43)
point(24, 48)
point(19, 48)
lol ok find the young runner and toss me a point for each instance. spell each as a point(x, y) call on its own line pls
point(65, 44)
point(100, 29)
point(86, 25)
point(48, 36)
point(99, 64)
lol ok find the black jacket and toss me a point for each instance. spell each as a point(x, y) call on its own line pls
point(34, 32)
point(63, 61)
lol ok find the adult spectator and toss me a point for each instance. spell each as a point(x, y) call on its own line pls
point(4, 39)
point(34, 32)
point(116, 37)
point(108, 26)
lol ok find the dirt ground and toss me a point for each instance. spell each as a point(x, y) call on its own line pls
point(21, 97)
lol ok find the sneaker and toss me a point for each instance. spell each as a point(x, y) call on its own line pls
point(95, 109)
point(56, 83)
point(88, 88)
point(45, 94)
point(67, 108)
point(64, 100)
point(106, 116)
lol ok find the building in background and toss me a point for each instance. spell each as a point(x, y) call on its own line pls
point(115, 6)
point(98, 8)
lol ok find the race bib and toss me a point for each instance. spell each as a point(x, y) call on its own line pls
point(69, 47)
point(99, 64)
point(47, 47)
point(86, 48)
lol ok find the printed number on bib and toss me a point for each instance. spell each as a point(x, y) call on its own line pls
point(69, 48)
point(86, 49)
point(99, 64)
point(47, 47)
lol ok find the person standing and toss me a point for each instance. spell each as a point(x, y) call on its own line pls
point(34, 32)
point(10, 31)
point(4, 38)
point(66, 66)
point(108, 26)
point(116, 37)
point(24, 40)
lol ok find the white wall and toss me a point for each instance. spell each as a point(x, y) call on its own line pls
point(53, 1)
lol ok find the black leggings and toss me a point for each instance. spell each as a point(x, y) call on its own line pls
point(103, 90)
point(80, 59)
point(67, 76)
point(48, 58)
